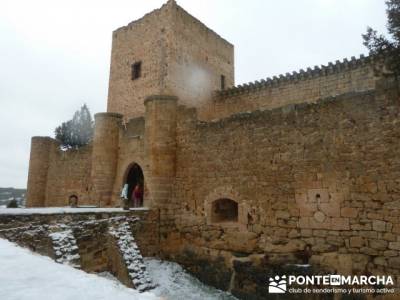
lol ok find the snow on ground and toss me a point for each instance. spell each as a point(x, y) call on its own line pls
point(28, 276)
point(174, 283)
point(132, 257)
point(60, 210)
point(66, 249)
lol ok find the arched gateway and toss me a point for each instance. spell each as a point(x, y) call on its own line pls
point(134, 185)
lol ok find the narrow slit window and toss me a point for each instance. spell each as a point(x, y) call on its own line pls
point(136, 70)
point(222, 82)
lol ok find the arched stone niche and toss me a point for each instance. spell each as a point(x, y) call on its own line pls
point(224, 210)
point(73, 200)
point(225, 207)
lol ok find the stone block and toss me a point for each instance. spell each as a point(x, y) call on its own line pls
point(369, 251)
point(394, 245)
point(282, 214)
point(239, 241)
point(349, 212)
point(294, 233)
point(369, 234)
point(304, 222)
point(378, 244)
point(379, 225)
point(390, 253)
point(394, 262)
point(389, 237)
point(371, 187)
point(319, 233)
point(335, 240)
point(301, 198)
point(380, 261)
point(288, 247)
point(396, 229)
point(306, 232)
point(307, 209)
point(319, 216)
point(356, 241)
point(315, 224)
point(336, 197)
point(331, 209)
point(340, 224)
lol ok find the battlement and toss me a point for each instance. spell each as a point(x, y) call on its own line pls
point(288, 78)
point(142, 19)
point(335, 78)
point(171, 4)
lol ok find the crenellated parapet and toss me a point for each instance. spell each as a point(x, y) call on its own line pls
point(304, 86)
point(296, 76)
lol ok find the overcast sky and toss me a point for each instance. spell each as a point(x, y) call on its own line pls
point(55, 55)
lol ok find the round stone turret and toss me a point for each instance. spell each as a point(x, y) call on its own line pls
point(38, 169)
point(160, 145)
point(104, 157)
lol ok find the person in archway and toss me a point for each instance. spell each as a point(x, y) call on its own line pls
point(137, 196)
point(124, 197)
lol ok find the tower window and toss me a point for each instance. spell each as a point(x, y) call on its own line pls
point(136, 70)
point(222, 82)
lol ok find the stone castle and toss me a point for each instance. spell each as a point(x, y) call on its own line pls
point(300, 167)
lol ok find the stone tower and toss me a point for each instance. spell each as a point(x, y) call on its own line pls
point(104, 156)
point(38, 169)
point(167, 52)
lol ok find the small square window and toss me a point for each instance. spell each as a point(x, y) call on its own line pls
point(136, 70)
point(222, 82)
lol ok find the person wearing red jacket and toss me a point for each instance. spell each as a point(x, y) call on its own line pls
point(137, 196)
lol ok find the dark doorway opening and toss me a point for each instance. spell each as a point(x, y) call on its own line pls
point(135, 182)
point(224, 210)
point(73, 201)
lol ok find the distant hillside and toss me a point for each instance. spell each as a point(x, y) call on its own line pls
point(7, 194)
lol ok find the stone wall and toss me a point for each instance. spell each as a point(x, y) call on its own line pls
point(140, 41)
point(97, 249)
point(337, 78)
point(131, 151)
point(197, 59)
point(179, 56)
point(68, 174)
point(38, 169)
point(55, 175)
point(314, 182)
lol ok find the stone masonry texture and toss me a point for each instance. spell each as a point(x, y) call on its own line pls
point(309, 159)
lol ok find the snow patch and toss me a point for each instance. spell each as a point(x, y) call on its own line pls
point(65, 248)
point(131, 254)
point(28, 276)
point(173, 282)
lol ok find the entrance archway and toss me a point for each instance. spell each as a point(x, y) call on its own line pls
point(135, 178)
